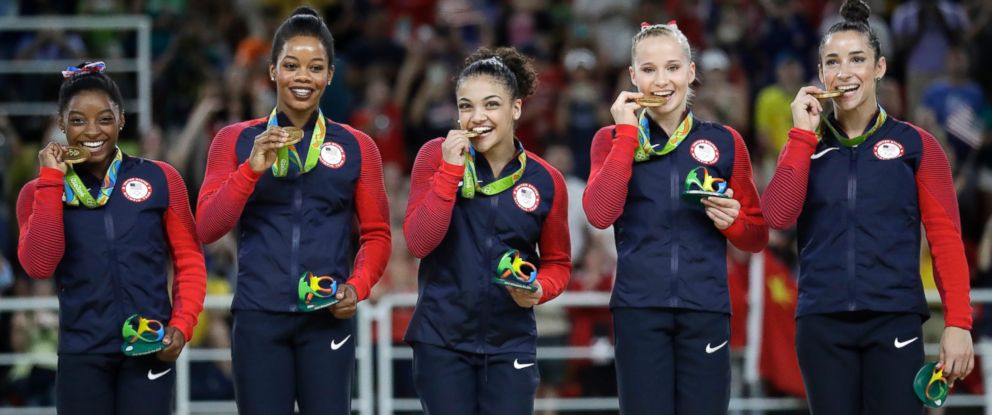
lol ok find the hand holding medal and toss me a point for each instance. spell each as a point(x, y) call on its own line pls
point(713, 193)
point(53, 156)
point(806, 108)
point(455, 147)
point(264, 151)
point(931, 386)
point(520, 279)
point(625, 106)
point(316, 292)
point(142, 336)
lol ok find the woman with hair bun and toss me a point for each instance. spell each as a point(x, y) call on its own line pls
point(859, 183)
point(480, 209)
point(294, 182)
point(108, 226)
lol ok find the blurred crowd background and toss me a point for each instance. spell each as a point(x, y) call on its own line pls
point(394, 64)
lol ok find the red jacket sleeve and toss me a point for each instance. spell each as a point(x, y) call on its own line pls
point(189, 282)
point(612, 165)
point(372, 208)
point(226, 186)
point(749, 231)
point(41, 240)
point(555, 244)
point(939, 213)
point(784, 197)
point(433, 191)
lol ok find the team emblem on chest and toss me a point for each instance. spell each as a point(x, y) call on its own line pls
point(136, 190)
point(888, 150)
point(332, 155)
point(526, 197)
point(704, 151)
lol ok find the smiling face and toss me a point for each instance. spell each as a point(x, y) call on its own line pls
point(485, 106)
point(93, 121)
point(662, 68)
point(302, 72)
point(848, 63)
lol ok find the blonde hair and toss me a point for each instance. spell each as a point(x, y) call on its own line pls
point(669, 29)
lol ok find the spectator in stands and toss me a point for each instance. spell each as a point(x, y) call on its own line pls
point(923, 31)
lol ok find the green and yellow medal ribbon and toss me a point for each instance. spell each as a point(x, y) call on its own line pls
point(851, 142)
point(287, 157)
point(76, 192)
point(470, 179)
point(645, 149)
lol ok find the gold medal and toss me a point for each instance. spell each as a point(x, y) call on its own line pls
point(75, 155)
point(295, 134)
point(828, 94)
point(651, 101)
point(471, 134)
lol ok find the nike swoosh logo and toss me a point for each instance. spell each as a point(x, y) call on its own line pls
point(153, 376)
point(900, 345)
point(518, 365)
point(821, 153)
point(335, 345)
point(710, 350)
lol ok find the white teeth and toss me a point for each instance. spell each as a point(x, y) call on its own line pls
point(93, 144)
point(482, 130)
point(663, 93)
point(847, 88)
point(301, 92)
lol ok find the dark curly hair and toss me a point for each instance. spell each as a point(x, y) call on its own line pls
point(507, 65)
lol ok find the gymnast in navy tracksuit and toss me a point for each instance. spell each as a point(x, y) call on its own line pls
point(108, 229)
point(474, 342)
point(860, 183)
point(296, 208)
point(671, 307)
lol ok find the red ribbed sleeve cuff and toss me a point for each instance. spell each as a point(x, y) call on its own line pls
point(939, 213)
point(749, 231)
point(433, 191)
point(189, 284)
point(555, 244)
point(226, 186)
point(41, 240)
point(372, 209)
point(612, 165)
point(784, 197)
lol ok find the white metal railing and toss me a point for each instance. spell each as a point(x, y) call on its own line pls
point(362, 404)
point(140, 65)
point(379, 398)
point(387, 352)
